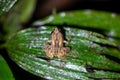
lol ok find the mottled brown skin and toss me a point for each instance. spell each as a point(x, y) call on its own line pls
point(56, 47)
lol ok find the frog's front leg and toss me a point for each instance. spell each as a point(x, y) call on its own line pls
point(49, 40)
point(67, 41)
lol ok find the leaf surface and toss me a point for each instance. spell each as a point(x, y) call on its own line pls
point(5, 5)
point(5, 72)
point(87, 59)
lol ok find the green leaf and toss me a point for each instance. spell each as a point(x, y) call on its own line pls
point(87, 59)
point(18, 15)
point(98, 21)
point(5, 72)
point(5, 5)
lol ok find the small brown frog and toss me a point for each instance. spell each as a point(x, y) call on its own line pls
point(56, 48)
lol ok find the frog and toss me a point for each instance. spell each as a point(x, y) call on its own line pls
point(56, 47)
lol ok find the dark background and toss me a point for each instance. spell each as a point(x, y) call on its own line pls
point(45, 7)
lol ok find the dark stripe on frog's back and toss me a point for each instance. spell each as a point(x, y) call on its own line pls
point(56, 47)
point(56, 36)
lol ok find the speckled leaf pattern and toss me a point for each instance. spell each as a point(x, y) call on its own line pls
point(98, 21)
point(88, 58)
point(5, 5)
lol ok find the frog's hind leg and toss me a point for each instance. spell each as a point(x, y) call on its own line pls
point(50, 54)
point(48, 51)
point(66, 49)
point(63, 52)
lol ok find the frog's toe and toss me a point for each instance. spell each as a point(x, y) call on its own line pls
point(49, 55)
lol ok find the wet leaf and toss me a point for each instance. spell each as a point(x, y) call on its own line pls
point(5, 72)
point(98, 21)
point(5, 5)
point(88, 58)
